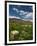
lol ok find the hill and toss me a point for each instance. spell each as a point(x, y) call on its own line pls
point(19, 21)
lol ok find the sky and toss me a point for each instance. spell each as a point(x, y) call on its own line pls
point(20, 11)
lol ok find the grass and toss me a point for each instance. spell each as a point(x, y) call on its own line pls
point(25, 31)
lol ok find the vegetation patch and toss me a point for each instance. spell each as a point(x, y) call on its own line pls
point(20, 30)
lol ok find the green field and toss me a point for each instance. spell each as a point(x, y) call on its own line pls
point(20, 30)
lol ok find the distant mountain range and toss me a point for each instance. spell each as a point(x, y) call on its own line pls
point(14, 18)
point(19, 21)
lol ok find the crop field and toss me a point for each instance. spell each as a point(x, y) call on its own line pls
point(20, 30)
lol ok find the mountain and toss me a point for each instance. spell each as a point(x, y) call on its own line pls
point(14, 17)
point(19, 21)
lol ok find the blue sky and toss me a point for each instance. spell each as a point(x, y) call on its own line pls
point(20, 11)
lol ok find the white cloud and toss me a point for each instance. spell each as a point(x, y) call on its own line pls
point(30, 14)
point(28, 17)
point(26, 14)
point(22, 12)
point(16, 10)
point(14, 17)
